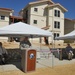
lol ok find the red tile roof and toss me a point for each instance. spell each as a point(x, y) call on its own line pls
point(6, 9)
point(17, 17)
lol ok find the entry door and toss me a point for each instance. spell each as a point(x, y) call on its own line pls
point(31, 60)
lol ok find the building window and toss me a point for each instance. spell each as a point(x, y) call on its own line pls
point(26, 16)
point(56, 24)
point(56, 35)
point(35, 9)
point(35, 21)
point(56, 13)
point(2, 17)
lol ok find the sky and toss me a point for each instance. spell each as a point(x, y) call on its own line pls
point(17, 5)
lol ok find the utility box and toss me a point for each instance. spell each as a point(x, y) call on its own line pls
point(28, 61)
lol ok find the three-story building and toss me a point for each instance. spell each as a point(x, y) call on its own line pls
point(44, 14)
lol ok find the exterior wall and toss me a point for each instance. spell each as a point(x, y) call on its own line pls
point(60, 19)
point(40, 22)
point(4, 22)
point(41, 9)
point(40, 16)
point(29, 15)
point(69, 26)
point(52, 18)
point(6, 18)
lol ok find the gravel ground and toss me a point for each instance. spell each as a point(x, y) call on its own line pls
point(49, 66)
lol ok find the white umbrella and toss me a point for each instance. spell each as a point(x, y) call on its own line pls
point(23, 29)
point(70, 35)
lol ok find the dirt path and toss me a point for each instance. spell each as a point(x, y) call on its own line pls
point(58, 70)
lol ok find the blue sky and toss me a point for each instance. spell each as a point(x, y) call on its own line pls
point(17, 5)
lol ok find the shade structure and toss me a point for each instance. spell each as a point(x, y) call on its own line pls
point(70, 35)
point(22, 29)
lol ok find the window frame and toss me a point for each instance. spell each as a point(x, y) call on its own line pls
point(57, 24)
point(35, 21)
point(2, 17)
point(36, 9)
point(56, 13)
point(56, 35)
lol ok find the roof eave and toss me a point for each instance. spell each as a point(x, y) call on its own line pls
point(64, 9)
point(40, 2)
point(7, 11)
point(32, 3)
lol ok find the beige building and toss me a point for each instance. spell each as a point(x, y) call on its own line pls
point(45, 14)
point(4, 18)
point(69, 25)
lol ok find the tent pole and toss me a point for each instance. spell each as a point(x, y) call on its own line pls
point(52, 52)
point(31, 39)
point(40, 43)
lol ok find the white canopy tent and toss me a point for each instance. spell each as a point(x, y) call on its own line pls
point(70, 35)
point(21, 29)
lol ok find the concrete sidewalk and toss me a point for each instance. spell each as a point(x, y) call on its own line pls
point(8, 67)
point(52, 62)
point(41, 63)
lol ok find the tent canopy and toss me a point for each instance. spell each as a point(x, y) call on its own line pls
point(70, 35)
point(20, 29)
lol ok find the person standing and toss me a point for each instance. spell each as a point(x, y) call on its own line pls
point(69, 51)
point(46, 40)
point(3, 54)
point(25, 43)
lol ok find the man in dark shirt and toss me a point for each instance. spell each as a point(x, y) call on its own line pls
point(69, 51)
point(68, 48)
point(25, 43)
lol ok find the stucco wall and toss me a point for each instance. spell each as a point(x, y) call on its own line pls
point(4, 22)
